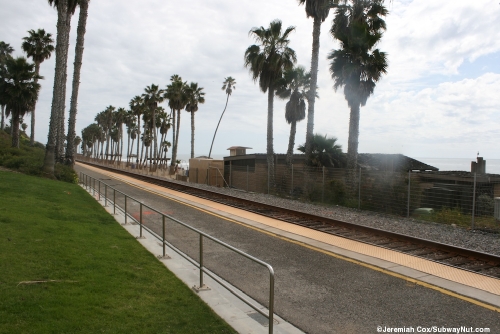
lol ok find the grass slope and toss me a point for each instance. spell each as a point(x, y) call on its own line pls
point(105, 281)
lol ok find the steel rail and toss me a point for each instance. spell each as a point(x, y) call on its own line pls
point(258, 208)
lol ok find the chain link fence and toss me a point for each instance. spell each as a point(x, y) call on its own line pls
point(460, 198)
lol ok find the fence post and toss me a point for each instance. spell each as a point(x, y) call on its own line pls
point(473, 202)
point(359, 190)
point(114, 201)
point(409, 188)
point(323, 188)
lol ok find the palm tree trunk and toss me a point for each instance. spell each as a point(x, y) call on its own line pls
point(352, 142)
point(63, 29)
point(174, 153)
point(138, 138)
point(155, 144)
point(270, 149)
point(312, 93)
point(82, 23)
point(15, 129)
point(291, 144)
point(220, 119)
point(61, 134)
point(142, 152)
point(107, 145)
point(192, 134)
point(32, 135)
point(129, 149)
point(3, 117)
point(178, 130)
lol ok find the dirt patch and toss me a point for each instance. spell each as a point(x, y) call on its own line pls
point(3, 169)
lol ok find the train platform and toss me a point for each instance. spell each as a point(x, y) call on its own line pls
point(466, 287)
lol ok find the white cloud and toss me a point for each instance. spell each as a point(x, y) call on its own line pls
point(131, 44)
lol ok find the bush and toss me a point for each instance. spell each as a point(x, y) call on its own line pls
point(485, 205)
point(29, 159)
point(65, 173)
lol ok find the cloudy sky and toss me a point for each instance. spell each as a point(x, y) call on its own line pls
point(440, 98)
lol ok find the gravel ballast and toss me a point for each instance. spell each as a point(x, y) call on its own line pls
point(447, 234)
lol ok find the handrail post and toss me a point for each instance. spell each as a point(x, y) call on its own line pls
point(140, 220)
point(163, 233)
point(202, 286)
point(201, 260)
point(125, 210)
point(105, 194)
point(271, 301)
point(114, 201)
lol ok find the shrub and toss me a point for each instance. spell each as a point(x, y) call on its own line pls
point(65, 173)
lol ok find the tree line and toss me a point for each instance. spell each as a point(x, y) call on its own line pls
point(355, 67)
point(151, 137)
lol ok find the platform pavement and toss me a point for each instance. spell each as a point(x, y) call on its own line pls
point(240, 316)
point(289, 231)
point(473, 295)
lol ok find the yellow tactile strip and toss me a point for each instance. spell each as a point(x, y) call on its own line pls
point(435, 269)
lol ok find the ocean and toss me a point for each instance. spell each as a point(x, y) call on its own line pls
point(460, 164)
point(450, 164)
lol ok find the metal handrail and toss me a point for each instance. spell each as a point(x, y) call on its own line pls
point(85, 178)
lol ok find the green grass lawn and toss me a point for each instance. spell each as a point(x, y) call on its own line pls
point(104, 281)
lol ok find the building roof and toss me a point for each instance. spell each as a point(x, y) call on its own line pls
point(391, 162)
point(238, 147)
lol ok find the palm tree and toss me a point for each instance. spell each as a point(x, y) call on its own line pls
point(18, 91)
point(152, 96)
point(38, 46)
point(266, 61)
point(131, 125)
point(77, 141)
point(80, 34)
point(325, 152)
point(5, 52)
point(195, 96)
point(176, 95)
point(65, 9)
point(318, 10)
point(228, 85)
point(164, 127)
point(294, 85)
point(119, 118)
point(357, 66)
point(137, 107)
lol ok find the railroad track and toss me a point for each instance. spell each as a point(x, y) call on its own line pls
point(462, 258)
